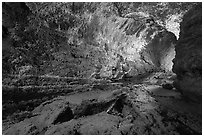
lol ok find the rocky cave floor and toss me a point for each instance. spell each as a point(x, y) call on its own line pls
point(61, 106)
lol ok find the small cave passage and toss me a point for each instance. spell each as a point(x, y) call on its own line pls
point(64, 116)
point(117, 107)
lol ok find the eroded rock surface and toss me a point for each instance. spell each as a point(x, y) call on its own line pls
point(136, 40)
point(188, 60)
point(143, 105)
point(118, 109)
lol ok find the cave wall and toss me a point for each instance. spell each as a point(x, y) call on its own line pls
point(141, 42)
point(145, 45)
point(13, 14)
point(188, 59)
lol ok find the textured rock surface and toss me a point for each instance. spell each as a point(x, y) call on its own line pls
point(188, 60)
point(69, 105)
point(141, 42)
point(123, 109)
point(145, 46)
point(13, 13)
point(135, 39)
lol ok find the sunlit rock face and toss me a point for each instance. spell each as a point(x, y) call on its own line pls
point(107, 41)
point(103, 41)
point(144, 44)
point(188, 60)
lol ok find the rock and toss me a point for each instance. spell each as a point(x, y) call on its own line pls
point(64, 109)
point(51, 112)
point(126, 125)
point(99, 124)
point(144, 48)
point(188, 59)
point(132, 111)
point(125, 128)
point(22, 128)
point(167, 86)
point(67, 128)
point(12, 12)
point(162, 92)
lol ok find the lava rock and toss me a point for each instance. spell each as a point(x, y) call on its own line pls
point(99, 124)
point(144, 48)
point(22, 128)
point(167, 86)
point(188, 59)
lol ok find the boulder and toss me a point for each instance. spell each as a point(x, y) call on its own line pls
point(188, 59)
point(69, 108)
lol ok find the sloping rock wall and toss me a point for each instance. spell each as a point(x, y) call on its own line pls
point(188, 60)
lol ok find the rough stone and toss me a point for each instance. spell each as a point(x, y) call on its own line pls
point(99, 124)
point(142, 46)
point(188, 60)
point(167, 86)
point(23, 128)
point(145, 110)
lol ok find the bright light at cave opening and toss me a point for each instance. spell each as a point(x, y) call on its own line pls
point(136, 46)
